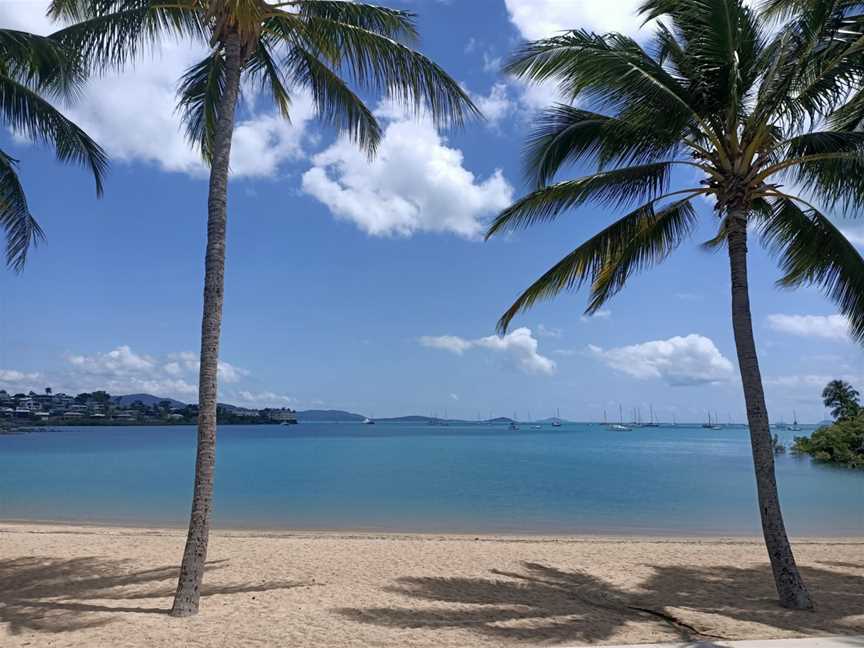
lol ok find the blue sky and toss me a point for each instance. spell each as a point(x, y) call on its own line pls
point(366, 286)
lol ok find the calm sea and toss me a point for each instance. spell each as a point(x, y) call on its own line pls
point(394, 477)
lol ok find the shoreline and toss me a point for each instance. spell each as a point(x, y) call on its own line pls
point(144, 528)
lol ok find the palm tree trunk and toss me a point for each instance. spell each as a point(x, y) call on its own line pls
point(195, 555)
point(790, 586)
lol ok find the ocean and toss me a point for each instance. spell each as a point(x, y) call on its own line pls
point(392, 477)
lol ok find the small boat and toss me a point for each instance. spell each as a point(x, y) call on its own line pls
point(513, 424)
point(368, 421)
point(794, 427)
point(712, 424)
point(556, 422)
point(652, 422)
point(620, 427)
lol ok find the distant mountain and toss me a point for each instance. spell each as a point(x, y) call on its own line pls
point(328, 415)
point(148, 399)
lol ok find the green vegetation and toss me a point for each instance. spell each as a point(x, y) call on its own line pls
point(842, 442)
point(842, 398)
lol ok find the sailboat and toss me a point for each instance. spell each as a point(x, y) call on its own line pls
point(794, 427)
point(556, 422)
point(710, 425)
point(620, 427)
point(513, 424)
point(534, 426)
point(652, 422)
point(368, 421)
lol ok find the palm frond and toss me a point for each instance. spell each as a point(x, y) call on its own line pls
point(22, 230)
point(640, 239)
point(813, 251)
point(393, 23)
point(262, 67)
point(611, 70)
point(723, 42)
point(108, 34)
point(616, 187)
point(33, 117)
point(565, 135)
point(337, 104)
point(199, 98)
point(380, 64)
point(829, 165)
point(40, 63)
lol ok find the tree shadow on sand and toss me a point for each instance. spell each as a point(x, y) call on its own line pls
point(53, 595)
point(545, 604)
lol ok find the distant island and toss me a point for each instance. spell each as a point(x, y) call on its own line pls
point(101, 408)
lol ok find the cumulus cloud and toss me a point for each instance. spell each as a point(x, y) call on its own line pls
point(833, 327)
point(264, 399)
point(450, 343)
point(544, 18)
point(602, 314)
point(519, 348)
point(13, 381)
point(416, 183)
point(678, 361)
point(543, 331)
point(496, 105)
point(123, 370)
point(133, 114)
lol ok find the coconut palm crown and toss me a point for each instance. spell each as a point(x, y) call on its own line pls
point(284, 47)
point(717, 94)
point(34, 72)
point(757, 117)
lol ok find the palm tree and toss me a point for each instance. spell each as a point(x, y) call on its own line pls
point(33, 71)
point(842, 398)
point(282, 47)
point(735, 108)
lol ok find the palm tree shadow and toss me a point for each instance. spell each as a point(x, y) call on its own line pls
point(541, 603)
point(53, 595)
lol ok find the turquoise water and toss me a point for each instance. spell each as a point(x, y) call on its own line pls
point(394, 477)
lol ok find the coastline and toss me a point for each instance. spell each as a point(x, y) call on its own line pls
point(85, 585)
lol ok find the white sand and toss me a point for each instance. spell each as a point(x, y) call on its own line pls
point(91, 587)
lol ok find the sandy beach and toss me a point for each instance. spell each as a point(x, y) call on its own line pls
point(91, 586)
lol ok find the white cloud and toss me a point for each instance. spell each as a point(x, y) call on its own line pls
point(454, 397)
point(121, 361)
point(416, 183)
point(537, 19)
point(834, 327)
point(679, 361)
point(15, 381)
point(264, 399)
point(519, 348)
point(124, 371)
point(496, 105)
point(133, 114)
point(450, 343)
point(600, 314)
point(542, 331)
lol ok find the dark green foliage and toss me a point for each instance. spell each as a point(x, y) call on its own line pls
point(842, 398)
point(839, 443)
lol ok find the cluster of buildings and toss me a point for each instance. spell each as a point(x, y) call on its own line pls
point(51, 406)
point(99, 406)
